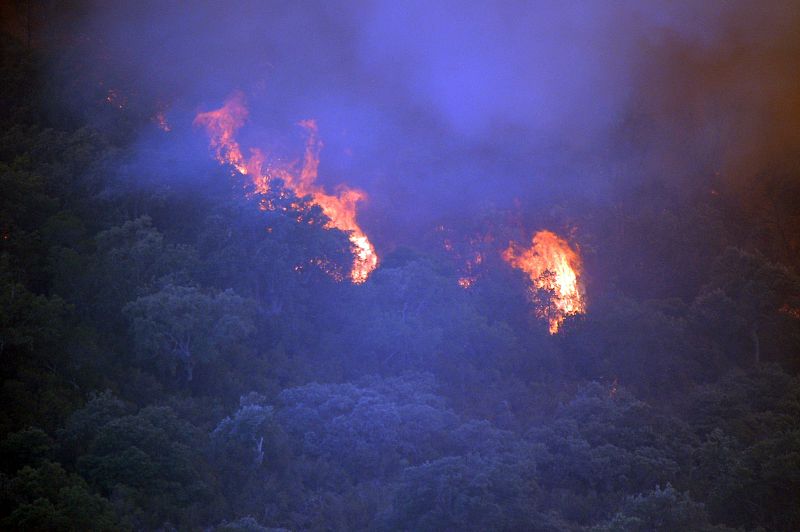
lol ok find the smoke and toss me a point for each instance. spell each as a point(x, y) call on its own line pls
point(446, 108)
point(726, 101)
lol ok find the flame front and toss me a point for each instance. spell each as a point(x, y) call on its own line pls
point(222, 124)
point(553, 266)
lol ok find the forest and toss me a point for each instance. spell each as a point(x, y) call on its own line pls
point(188, 342)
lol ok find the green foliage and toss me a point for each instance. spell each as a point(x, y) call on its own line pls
point(746, 467)
point(83, 425)
point(29, 323)
point(470, 492)
point(49, 498)
point(369, 429)
point(608, 345)
point(744, 308)
point(28, 447)
point(130, 261)
point(600, 448)
point(181, 327)
point(660, 510)
point(150, 459)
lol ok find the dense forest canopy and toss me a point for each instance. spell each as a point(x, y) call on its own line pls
point(400, 266)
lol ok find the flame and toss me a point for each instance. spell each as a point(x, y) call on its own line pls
point(553, 266)
point(222, 124)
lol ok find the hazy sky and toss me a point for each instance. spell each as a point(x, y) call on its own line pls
point(454, 106)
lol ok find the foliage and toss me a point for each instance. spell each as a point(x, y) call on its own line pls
point(661, 510)
point(181, 327)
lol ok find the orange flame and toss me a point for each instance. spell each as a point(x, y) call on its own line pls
point(553, 266)
point(222, 124)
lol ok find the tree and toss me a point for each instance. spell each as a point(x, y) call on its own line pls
point(28, 447)
point(747, 296)
point(49, 498)
point(413, 317)
point(274, 247)
point(746, 466)
point(660, 510)
point(130, 261)
point(471, 492)
point(644, 346)
point(151, 464)
point(251, 454)
point(369, 429)
point(599, 448)
point(37, 370)
point(183, 326)
point(83, 424)
point(30, 324)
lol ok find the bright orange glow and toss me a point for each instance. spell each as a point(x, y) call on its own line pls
point(553, 266)
point(465, 282)
point(222, 124)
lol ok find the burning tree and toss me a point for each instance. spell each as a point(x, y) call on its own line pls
point(554, 269)
point(222, 124)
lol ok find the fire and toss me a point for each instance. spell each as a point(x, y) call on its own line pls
point(160, 120)
point(470, 267)
point(222, 124)
point(470, 253)
point(554, 267)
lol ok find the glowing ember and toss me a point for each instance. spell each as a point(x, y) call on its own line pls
point(555, 268)
point(160, 120)
point(469, 253)
point(465, 282)
point(116, 99)
point(790, 311)
point(222, 125)
point(470, 267)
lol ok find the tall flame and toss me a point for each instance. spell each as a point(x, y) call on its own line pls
point(553, 266)
point(222, 124)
